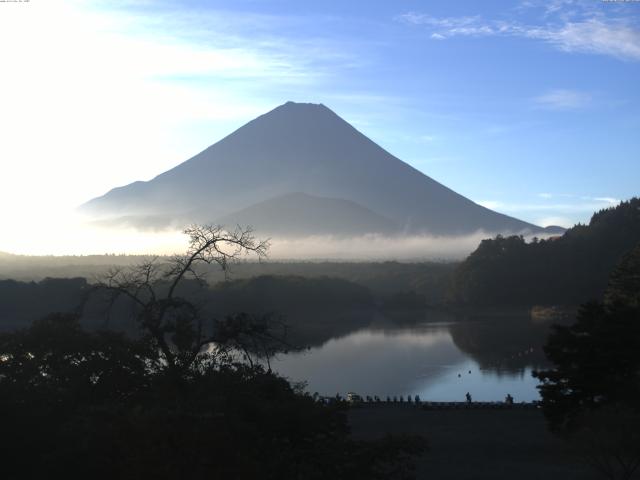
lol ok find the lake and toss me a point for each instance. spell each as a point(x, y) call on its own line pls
point(438, 361)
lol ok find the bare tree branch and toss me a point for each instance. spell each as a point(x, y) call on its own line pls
point(175, 324)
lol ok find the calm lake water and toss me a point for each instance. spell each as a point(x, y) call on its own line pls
point(437, 361)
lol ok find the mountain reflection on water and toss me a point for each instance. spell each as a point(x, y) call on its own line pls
point(441, 361)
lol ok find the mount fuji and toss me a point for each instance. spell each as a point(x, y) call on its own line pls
point(300, 170)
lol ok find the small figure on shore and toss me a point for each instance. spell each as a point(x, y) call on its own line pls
point(468, 396)
point(508, 399)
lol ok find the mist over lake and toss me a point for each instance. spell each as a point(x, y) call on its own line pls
point(294, 240)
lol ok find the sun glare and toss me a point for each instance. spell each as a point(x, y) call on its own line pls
point(72, 235)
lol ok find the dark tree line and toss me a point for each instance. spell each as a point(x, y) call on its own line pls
point(566, 270)
point(592, 394)
point(188, 397)
point(23, 302)
point(79, 404)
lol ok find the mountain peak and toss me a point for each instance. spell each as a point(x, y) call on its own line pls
point(303, 147)
point(291, 104)
point(301, 110)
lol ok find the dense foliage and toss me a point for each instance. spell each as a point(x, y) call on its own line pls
point(99, 405)
point(596, 363)
point(184, 398)
point(289, 293)
point(566, 270)
point(383, 279)
point(591, 396)
point(23, 302)
point(597, 359)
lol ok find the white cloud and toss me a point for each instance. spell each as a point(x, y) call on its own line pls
point(443, 22)
point(548, 195)
point(554, 221)
point(376, 247)
point(563, 209)
point(610, 200)
point(92, 97)
point(615, 37)
point(449, 26)
point(561, 99)
point(571, 204)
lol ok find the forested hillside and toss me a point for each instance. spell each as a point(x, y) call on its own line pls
point(565, 270)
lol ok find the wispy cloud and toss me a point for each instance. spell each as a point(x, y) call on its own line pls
point(554, 221)
point(376, 247)
point(583, 33)
point(561, 99)
point(609, 200)
point(446, 27)
point(607, 37)
point(140, 74)
point(210, 43)
point(560, 205)
point(548, 195)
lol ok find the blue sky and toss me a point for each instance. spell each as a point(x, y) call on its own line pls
point(529, 107)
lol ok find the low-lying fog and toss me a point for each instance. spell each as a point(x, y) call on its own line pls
point(74, 236)
point(376, 247)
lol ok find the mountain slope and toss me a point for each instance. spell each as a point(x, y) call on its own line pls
point(302, 148)
point(299, 214)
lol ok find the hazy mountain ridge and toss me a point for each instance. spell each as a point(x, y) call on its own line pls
point(303, 148)
point(297, 214)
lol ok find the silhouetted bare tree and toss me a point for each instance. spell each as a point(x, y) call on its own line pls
point(104, 405)
point(174, 323)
